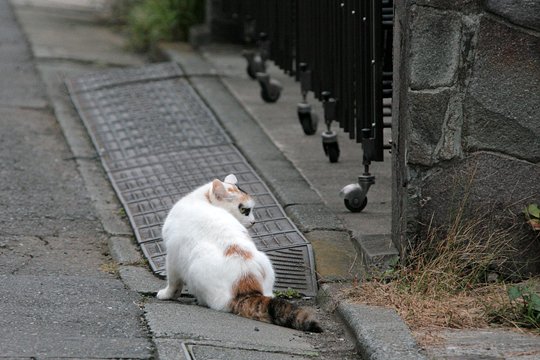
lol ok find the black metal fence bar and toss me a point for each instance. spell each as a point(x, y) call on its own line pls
point(347, 46)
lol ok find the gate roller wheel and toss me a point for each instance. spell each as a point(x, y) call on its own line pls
point(308, 119)
point(354, 205)
point(270, 88)
point(333, 153)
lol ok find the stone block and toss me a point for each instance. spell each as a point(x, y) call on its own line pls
point(449, 146)
point(502, 110)
point(488, 130)
point(435, 48)
point(426, 116)
point(487, 178)
point(491, 190)
point(521, 12)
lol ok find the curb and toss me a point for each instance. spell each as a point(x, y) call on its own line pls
point(379, 332)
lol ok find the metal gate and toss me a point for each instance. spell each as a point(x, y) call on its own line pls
point(342, 52)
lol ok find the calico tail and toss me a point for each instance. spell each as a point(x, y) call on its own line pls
point(252, 304)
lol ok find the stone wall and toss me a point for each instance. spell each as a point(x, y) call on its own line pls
point(467, 100)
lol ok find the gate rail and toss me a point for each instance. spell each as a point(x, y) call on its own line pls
point(346, 45)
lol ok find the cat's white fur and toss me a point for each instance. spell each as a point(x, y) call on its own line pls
point(197, 233)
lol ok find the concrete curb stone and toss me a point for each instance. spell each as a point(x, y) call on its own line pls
point(379, 332)
point(140, 279)
point(124, 251)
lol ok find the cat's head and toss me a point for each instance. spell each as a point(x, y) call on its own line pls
point(227, 195)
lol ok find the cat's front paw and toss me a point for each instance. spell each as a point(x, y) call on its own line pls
point(165, 294)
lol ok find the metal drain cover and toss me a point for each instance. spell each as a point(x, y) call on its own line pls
point(158, 141)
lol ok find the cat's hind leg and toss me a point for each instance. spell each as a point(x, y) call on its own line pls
point(174, 281)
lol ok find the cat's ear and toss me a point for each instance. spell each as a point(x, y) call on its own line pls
point(230, 179)
point(219, 191)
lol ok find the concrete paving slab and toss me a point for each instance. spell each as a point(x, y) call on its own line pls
point(485, 344)
point(293, 190)
point(174, 320)
point(310, 217)
point(171, 349)
point(102, 195)
point(56, 302)
point(69, 316)
point(189, 59)
point(32, 148)
point(205, 352)
point(335, 255)
point(100, 45)
point(20, 85)
point(140, 279)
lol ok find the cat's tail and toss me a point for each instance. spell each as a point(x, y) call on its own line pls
point(252, 304)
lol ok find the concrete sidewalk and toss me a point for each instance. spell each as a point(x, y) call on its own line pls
point(67, 42)
point(63, 225)
point(57, 297)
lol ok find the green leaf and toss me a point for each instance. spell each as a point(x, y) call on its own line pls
point(514, 292)
point(534, 302)
point(533, 210)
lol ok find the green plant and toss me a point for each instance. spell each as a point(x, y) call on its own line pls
point(162, 20)
point(528, 304)
point(532, 213)
point(287, 294)
point(122, 213)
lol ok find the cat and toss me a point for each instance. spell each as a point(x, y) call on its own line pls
point(210, 250)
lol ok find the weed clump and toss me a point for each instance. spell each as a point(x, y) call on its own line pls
point(151, 21)
point(454, 278)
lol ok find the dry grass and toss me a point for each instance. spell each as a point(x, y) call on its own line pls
point(468, 309)
point(451, 279)
point(110, 267)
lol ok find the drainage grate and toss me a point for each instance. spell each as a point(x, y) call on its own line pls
point(158, 141)
point(137, 119)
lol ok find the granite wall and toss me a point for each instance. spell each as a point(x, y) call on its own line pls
point(467, 130)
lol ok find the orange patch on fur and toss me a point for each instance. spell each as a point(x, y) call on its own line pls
point(237, 250)
point(244, 198)
point(247, 284)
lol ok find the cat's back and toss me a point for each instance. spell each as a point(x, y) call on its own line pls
point(194, 217)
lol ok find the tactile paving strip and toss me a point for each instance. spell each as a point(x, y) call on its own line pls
point(158, 141)
point(115, 77)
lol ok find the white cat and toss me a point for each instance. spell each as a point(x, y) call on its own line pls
point(209, 249)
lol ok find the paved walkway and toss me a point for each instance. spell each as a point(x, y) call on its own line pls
point(56, 297)
point(71, 306)
point(62, 231)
